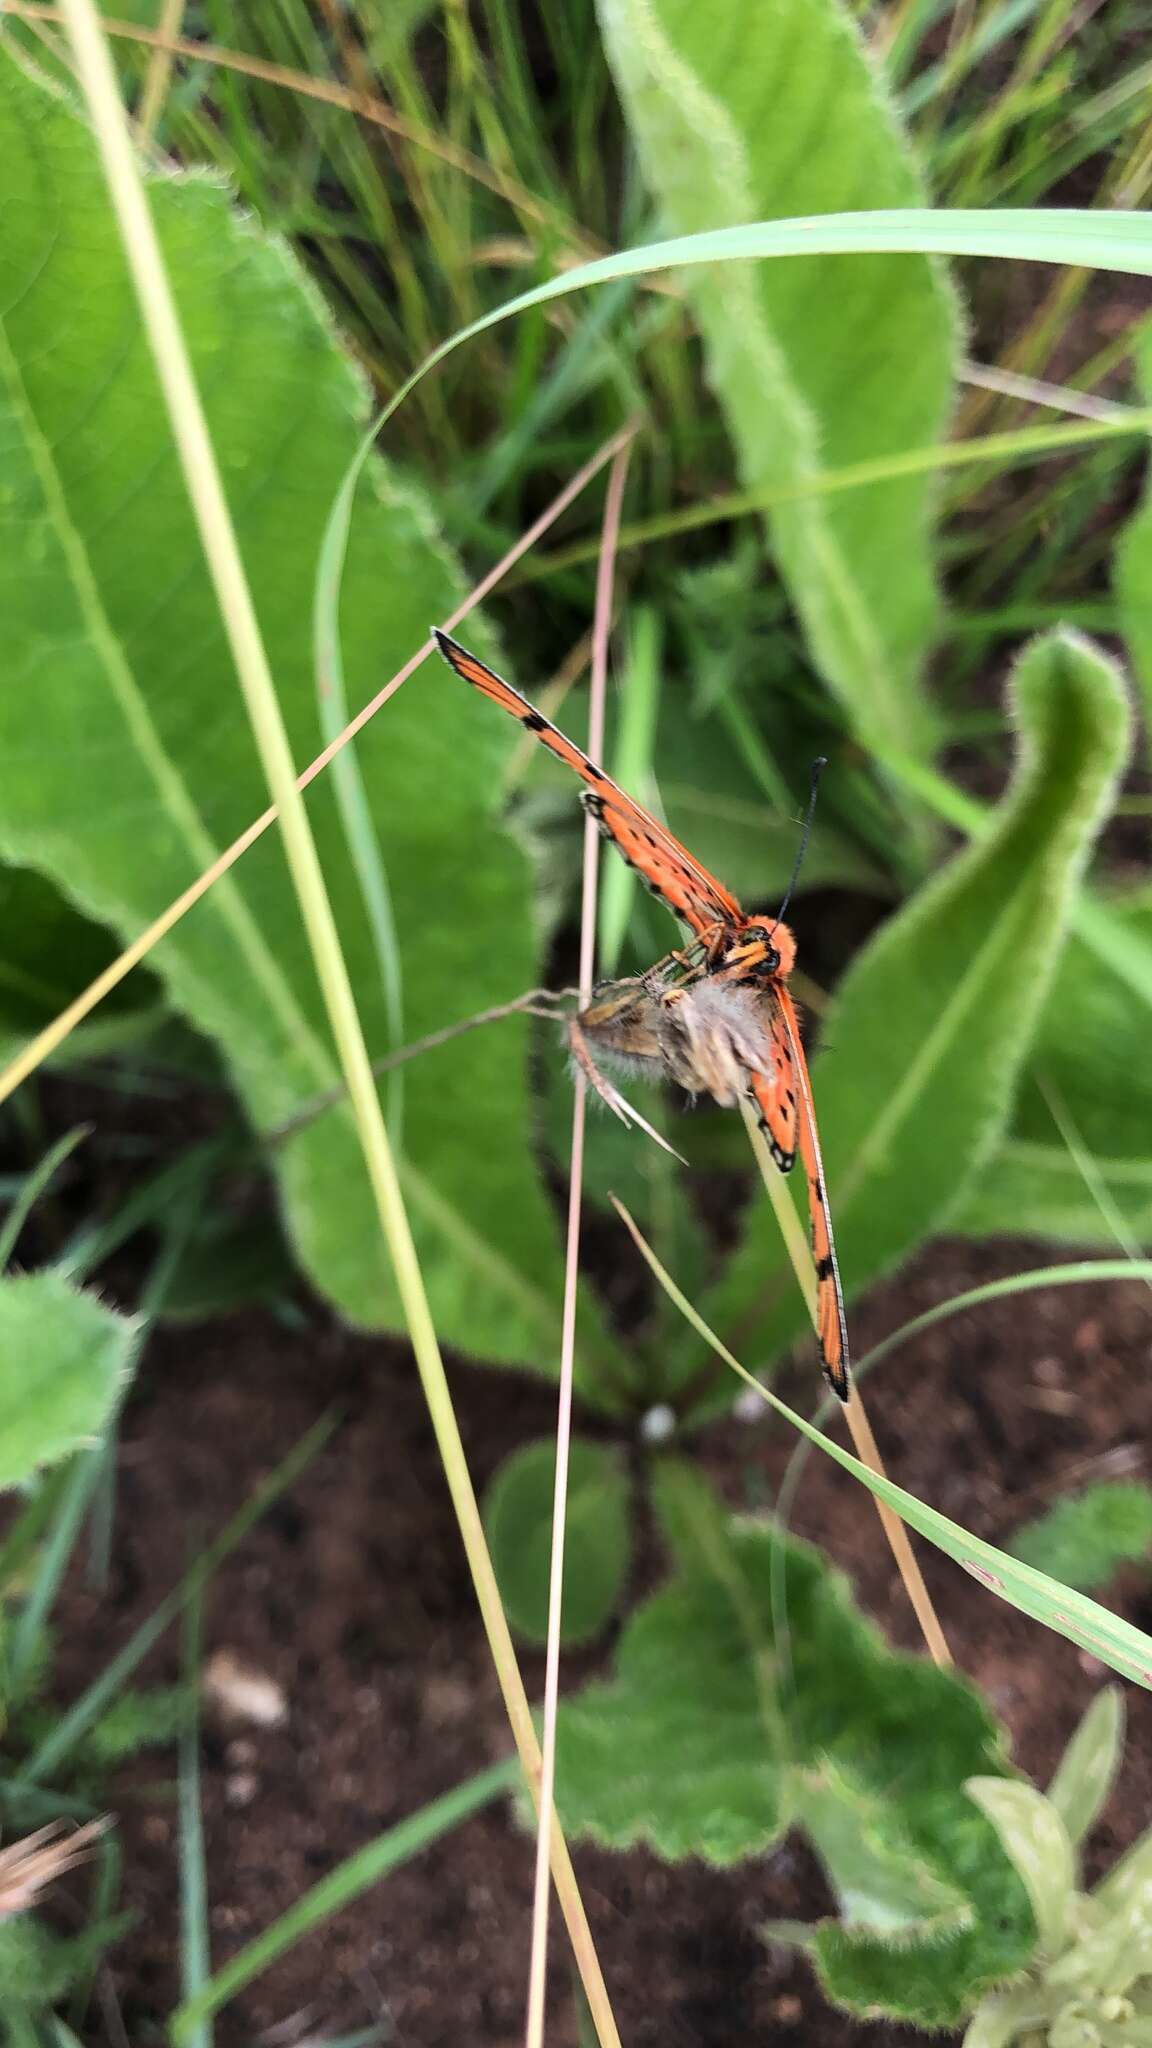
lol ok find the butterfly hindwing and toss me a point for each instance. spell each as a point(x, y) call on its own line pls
point(774, 1093)
point(831, 1322)
point(667, 867)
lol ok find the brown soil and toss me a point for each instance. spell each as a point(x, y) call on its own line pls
point(353, 1595)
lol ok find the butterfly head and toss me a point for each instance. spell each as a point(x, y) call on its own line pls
point(760, 952)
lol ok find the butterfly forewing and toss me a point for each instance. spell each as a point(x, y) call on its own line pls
point(664, 865)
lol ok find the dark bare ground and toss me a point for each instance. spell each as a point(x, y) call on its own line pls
point(353, 1596)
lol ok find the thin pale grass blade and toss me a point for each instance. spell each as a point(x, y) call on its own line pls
point(29, 1866)
point(601, 631)
point(1092, 1627)
point(159, 72)
point(194, 447)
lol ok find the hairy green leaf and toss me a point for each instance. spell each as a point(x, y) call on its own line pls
point(1030, 1190)
point(750, 1694)
point(64, 1363)
point(1076, 1166)
point(1083, 1540)
point(738, 116)
point(518, 1523)
point(136, 761)
point(1087, 1058)
point(1087, 1770)
point(1035, 1837)
point(934, 1018)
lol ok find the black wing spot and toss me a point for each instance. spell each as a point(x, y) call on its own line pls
point(825, 1267)
point(780, 1158)
point(591, 769)
point(818, 1188)
point(593, 803)
point(533, 721)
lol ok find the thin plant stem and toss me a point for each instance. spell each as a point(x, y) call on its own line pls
point(159, 69)
point(53, 1035)
point(205, 488)
point(536, 1002)
point(855, 1414)
point(1023, 443)
point(601, 630)
point(899, 1541)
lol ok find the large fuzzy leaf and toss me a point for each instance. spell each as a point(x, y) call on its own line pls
point(935, 1018)
point(64, 1361)
point(744, 114)
point(716, 1732)
point(1036, 1190)
point(1076, 1163)
point(518, 1524)
point(135, 762)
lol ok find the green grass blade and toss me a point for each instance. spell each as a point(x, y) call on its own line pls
point(91, 1704)
point(28, 1627)
point(195, 1948)
point(350, 1878)
point(1106, 1636)
point(631, 764)
point(34, 1185)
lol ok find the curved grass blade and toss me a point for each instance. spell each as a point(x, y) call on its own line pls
point(1106, 1636)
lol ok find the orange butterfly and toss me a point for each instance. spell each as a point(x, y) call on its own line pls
point(730, 951)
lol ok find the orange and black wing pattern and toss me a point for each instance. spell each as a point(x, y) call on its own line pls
point(783, 1099)
point(663, 864)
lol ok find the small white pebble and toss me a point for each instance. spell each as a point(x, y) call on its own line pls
point(658, 1424)
point(241, 1692)
point(748, 1406)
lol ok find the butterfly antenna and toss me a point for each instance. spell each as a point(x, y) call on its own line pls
point(818, 767)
